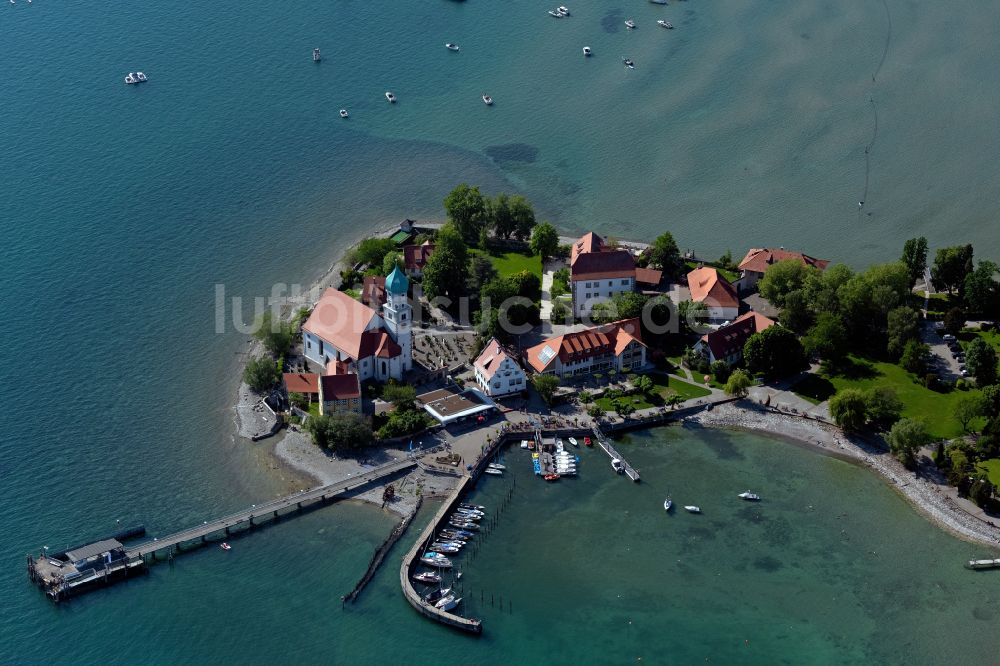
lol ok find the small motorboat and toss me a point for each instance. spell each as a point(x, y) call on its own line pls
point(463, 525)
point(524, 444)
point(437, 595)
point(668, 504)
point(749, 496)
point(617, 465)
point(572, 440)
point(556, 13)
point(690, 508)
point(551, 477)
point(587, 442)
point(428, 577)
point(630, 24)
point(445, 548)
point(659, 2)
point(389, 96)
point(225, 546)
point(629, 63)
point(458, 576)
point(563, 10)
point(487, 100)
point(587, 51)
point(440, 562)
point(477, 507)
point(495, 466)
point(448, 602)
point(140, 77)
point(316, 55)
point(130, 78)
point(451, 47)
point(494, 472)
point(343, 113)
point(665, 24)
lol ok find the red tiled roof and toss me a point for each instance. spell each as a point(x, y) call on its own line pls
point(415, 256)
point(613, 338)
point(589, 242)
point(757, 260)
point(648, 276)
point(706, 284)
point(373, 291)
point(727, 340)
point(340, 320)
point(335, 367)
point(378, 343)
point(340, 387)
point(490, 359)
point(301, 382)
point(616, 263)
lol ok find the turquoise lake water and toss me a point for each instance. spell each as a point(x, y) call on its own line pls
point(123, 207)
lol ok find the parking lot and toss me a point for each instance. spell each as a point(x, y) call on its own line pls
point(943, 361)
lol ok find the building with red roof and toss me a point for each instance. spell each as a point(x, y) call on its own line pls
point(758, 260)
point(617, 346)
point(339, 394)
point(415, 258)
point(726, 343)
point(598, 273)
point(498, 372)
point(715, 292)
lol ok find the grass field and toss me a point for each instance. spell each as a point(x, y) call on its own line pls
point(935, 409)
point(732, 276)
point(663, 387)
point(508, 263)
point(992, 469)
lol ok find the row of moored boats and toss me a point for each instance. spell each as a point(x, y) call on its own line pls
point(668, 503)
point(462, 525)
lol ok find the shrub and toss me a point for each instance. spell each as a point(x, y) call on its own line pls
point(339, 432)
point(261, 373)
point(721, 371)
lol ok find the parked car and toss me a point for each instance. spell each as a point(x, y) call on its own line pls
point(949, 337)
point(965, 373)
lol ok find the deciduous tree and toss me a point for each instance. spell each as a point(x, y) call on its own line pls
point(448, 266)
point(340, 432)
point(981, 362)
point(544, 240)
point(951, 265)
point(782, 278)
point(906, 438)
point(915, 258)
point(466, 208)
point(665, 255)
point(738, 385)
point(546, 387)
point(774, 352)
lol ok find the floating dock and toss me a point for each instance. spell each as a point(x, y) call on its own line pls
point(107, 560)
point(603, 442)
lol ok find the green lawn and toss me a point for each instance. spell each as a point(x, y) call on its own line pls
point(684, 389)
point(313, 409)
point(933, 408)
point(992, 469)
point(814, 389)
point(508, 263)
point(663, 386)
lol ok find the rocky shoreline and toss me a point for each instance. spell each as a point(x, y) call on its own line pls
point(931, 499)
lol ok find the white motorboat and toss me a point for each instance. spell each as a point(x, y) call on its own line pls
point(630, 24)
point(389, 96)
point(343, 113)
point(572, 440)
point(497, 466)
point(448, 598)
point(494, 472)
point(587, 51)
point(451, 47)
point(225, 546)
point(487, 100)
point(628, 63)
point(749, 496)
point(447, 604)
point(668, 504)
point(316, 55)
point(440, 562)
point(563, 10)
point(524, 443)
point(690, 508)
point(556, 13)
point(477, 507)
point(434, 596)
point(130, 78)
point(665, 24)
point(427, 577)
point(659, 2)
point(617, 465)
point(140, 77)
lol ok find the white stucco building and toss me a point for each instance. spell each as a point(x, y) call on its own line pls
point(497, 373)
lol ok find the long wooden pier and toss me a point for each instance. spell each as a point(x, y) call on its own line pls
point(270, 510)
point(612, 452)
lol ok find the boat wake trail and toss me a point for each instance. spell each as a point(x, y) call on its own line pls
point(871, 100)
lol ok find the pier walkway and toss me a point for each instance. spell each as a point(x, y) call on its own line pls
point(270, 509)
point(612, 452)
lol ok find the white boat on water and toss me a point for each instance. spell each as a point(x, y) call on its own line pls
point(665, 24)
point(343, 113)
point(690, 508)
point(449, 602)
point(140, 77)
point(749, 496)
point(587, 51)
point(130, 78)
point(563, 10)
point(617, 465)
point(630, 24)
point(659, 2)
point(497, 466)
point(628, 62)
point(451, 47)
point(668, 504)
point(389, 96)
point(524, 443)
point(572, 440)
point(487, 100)
point(494, 472)
point(316, 55)
point(556, 13)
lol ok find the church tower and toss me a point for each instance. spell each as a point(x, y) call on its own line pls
point(398, 314)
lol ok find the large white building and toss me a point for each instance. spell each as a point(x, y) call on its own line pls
point(598, 273)
point(617, 346)
point(497, 373)
point(372, 345)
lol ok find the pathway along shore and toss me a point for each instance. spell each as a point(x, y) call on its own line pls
point(929, 498)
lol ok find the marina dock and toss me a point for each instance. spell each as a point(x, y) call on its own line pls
point(613, 453)
point(108, 561)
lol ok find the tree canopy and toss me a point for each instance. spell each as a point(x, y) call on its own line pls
point(782, 278)
point(340, 432)
point(903, 325)
point(981, 362)
point(915, 258)
point(665, 255)
point(261, 373)
point(466, 208)
point(372, 251)
point(982, 291)
point(448, 266)
point(951, 265)
point(906, 438)
point(827, 338)
point(774, 352)
point(738, 385)
point(544, 240)
point(621, 306)
point(276, 335)
point(546, 386)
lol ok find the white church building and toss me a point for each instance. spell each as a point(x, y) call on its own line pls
point(372, 345)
